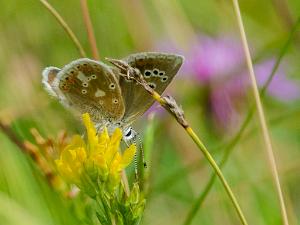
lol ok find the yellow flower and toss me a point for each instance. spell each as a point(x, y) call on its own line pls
point(98, 158)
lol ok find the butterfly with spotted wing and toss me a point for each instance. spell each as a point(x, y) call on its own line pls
point(89, 86)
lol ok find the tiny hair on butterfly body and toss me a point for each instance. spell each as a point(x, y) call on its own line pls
point(89, 86)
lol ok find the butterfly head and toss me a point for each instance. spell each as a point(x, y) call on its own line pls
point(129, 135)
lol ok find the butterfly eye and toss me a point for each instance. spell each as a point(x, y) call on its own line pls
point(94, 76)
point(83, 91)
point(112, 86)
point(147, 74)
point(128, 133)
point(164, 79)
point(85, 84)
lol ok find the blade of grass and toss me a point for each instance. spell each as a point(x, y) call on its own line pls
point(89, 29)
point(65, 26)
point(261, 114)
point(218, 173)
point(230, 146)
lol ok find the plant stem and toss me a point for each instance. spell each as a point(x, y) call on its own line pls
point(219, 173)
point(232, 143)
point(261, 114)
point(65, 27)
point(210, 159)
point(211, 181)
point(89, 29)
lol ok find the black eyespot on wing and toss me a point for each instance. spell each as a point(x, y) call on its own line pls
point(155, 71)
point(164, 78)
point(147, 73)
point(152, 85)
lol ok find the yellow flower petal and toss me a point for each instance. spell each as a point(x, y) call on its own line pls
point(116, 137)
point(76, 142)
point(68, 156)
point(113, 146)
point(66, 172)
point(81, 155)
point(98, 158)
point(115, 165)
point(128, 156)
point(100, 161)
point(104, 137)
point(91, 132)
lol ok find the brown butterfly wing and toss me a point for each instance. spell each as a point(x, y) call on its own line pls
point(49, 75)
point(158, 70)
point(90, 87)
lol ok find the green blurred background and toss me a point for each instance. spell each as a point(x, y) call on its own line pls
point(31, 39)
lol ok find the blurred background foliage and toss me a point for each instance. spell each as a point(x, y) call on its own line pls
point(214, 103)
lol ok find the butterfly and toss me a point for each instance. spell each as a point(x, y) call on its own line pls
point(112, 100)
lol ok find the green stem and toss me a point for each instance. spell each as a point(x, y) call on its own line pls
point(261, 115)
point(65, 26)
point(218, 173)
point(169, 106)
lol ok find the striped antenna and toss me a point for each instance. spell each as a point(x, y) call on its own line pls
point(142, 150)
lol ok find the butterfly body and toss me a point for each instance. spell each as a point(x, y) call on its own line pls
point(89, 86)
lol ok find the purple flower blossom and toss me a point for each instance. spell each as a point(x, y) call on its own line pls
point(281, 87)
point(219, 64)
point(214, 58)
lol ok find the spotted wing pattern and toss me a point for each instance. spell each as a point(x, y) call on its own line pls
point(87, 86)
point(158, 70)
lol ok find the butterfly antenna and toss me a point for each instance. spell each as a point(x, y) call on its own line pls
point(142, 150)
point(136, 167)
